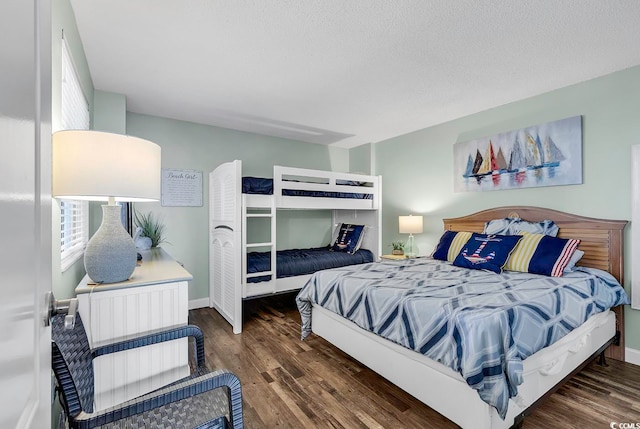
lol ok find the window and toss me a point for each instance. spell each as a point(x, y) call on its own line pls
point(74, 215)
point(74, 230)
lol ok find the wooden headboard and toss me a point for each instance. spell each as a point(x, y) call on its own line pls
point(601, 242)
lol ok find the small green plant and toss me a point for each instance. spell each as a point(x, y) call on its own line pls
point(397, 245)
point(152, 227)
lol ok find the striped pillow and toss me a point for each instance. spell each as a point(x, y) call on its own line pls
point(450, 245)
point(541, 254)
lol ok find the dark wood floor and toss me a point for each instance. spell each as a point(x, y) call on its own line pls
point(288, 383)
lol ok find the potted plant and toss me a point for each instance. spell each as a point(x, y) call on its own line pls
point(150, 227)
point(398, 248)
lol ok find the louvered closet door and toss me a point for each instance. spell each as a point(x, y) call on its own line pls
point(225, 251)
point(223, 274)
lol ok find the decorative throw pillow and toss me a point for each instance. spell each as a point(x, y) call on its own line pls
point(349, 238)
point(486, 252)
point(542, 254)
point(450, 245)
point(513, 226)
point(577, 255)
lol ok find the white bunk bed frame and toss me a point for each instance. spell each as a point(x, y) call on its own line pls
point(229, 210)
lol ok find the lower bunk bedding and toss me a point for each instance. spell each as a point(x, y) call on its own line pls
point(297, 262)
point(480, 325)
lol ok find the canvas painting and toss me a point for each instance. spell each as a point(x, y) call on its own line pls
point(548, 154)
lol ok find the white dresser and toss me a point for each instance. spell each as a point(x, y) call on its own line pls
point(154, 298)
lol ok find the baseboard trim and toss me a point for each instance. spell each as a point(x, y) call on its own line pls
point(198, 303)
point(632, 356)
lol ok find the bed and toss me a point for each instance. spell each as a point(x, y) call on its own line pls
point(242, 269)
point(506, 388)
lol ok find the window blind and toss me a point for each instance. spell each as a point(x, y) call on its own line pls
point(75, 108)
point(74, 215)
point(74, 230)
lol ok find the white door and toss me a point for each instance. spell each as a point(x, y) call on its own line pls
point(225, 248)
point(25, 212)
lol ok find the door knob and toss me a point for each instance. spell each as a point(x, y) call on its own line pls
point(69, 307)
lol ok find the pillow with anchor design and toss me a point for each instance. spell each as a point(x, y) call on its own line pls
point(488, 252)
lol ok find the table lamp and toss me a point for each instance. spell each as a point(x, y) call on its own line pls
point(410, 225)
point(99, 166)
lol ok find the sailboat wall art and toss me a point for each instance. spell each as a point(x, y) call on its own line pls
point(548, 154)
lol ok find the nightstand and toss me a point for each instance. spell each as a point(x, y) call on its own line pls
point(394, 257)
point(156, 297)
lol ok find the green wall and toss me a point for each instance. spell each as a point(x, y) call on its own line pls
point(109, 112)
point(361, 159)
point(198, 147)
point(417, 168)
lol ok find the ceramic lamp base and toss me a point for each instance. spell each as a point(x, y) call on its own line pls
point(110, 256)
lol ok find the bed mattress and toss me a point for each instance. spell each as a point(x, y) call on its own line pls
point(296, 262)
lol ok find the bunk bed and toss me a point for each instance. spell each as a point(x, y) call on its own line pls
point(241, 269)
point(450, 391)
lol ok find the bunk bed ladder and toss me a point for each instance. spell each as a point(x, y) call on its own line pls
point(266, 212)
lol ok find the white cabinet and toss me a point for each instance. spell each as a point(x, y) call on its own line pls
point(154, 298)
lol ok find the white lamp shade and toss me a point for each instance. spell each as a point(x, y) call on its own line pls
point(410, 224)
point(94, 165)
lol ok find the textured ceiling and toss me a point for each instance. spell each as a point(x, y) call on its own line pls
point(347, 72)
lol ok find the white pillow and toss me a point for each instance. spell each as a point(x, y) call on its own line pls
point(513, 226)
point(573, 261)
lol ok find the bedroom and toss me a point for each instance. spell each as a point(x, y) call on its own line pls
point(608, 105)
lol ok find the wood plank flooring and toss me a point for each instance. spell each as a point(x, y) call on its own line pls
point(288, 383)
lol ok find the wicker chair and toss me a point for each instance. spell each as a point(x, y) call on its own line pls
point(205, 399)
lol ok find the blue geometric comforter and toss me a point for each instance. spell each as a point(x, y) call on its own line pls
point(478, 323)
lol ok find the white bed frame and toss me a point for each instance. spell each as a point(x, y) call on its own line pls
point(443, 389)
point(229, 210)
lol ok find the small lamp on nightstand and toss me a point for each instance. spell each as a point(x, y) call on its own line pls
point(410, 225)
point(98, 166)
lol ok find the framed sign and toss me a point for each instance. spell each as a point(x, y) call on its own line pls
point(181, 188)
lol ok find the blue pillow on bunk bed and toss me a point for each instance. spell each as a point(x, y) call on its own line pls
point(349, 238)
point(257, 185)
point(486, 252)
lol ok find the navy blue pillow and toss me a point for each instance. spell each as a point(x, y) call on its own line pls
point(450, 245)
point(349, 238)
point(486, 252)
